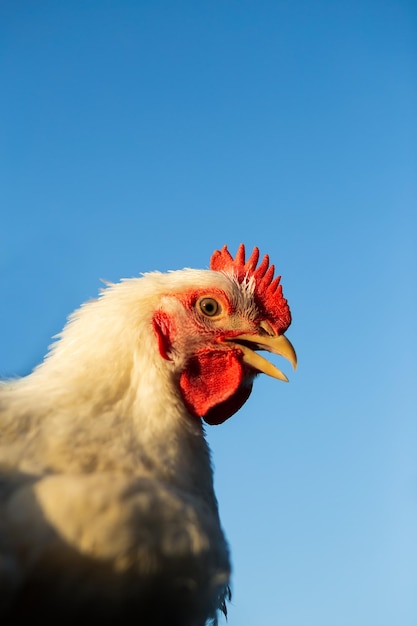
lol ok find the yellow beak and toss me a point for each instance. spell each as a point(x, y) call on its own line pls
point(277, 344)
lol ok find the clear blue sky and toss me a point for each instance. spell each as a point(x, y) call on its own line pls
point(143, 135)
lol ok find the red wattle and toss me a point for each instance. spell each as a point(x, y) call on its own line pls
point(221, 412)
point(213, 385)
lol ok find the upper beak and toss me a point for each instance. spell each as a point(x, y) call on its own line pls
point(278, 344)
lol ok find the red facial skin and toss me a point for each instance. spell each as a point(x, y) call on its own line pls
point(215, 382)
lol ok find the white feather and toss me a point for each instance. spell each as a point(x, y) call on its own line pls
point(103, 469)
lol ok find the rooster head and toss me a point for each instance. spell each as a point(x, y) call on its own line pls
point(211, 331)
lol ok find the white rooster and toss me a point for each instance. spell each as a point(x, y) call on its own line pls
point(107, 507)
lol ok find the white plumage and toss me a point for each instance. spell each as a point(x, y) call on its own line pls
point(107, 507)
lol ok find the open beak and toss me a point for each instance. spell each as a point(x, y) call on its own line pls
point(277, 344)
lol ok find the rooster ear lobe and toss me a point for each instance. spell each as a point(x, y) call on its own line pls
point(162, 326)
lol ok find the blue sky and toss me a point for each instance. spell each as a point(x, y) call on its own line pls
point(143, 135)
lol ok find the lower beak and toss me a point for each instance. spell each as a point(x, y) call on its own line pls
point(277, 344)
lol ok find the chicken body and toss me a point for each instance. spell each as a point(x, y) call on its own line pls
point(107, 506)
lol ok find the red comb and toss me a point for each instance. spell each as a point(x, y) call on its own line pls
point(268, 291)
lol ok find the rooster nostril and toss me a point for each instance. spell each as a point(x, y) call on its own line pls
point(265, 328)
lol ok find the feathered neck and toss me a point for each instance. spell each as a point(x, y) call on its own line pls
point(104, 382)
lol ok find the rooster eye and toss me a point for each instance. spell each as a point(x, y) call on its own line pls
point(209, 306)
